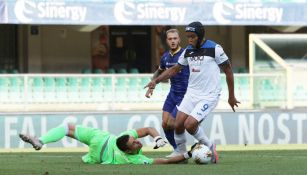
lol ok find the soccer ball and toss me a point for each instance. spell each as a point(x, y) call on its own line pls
point(201, 154)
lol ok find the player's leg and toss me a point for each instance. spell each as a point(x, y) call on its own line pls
point(53, 135)
point(168, 128)
point(171, 121)
point(167, 125)
point(185, 107)
point(192, 126)
point(199, 113)
point(180, 137)
point(95, 139)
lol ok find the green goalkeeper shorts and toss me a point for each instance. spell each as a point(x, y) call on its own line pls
point(95, 139)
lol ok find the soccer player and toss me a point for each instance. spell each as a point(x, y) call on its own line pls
point(178, 87)
point(105, 148)
point(205, 59)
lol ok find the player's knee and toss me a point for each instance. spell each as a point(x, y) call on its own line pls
point(187, 126)
point(164, 125)
point(171, 125)
point(190, 126)
point(179, 126)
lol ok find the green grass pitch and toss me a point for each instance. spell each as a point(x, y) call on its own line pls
point(232, 162)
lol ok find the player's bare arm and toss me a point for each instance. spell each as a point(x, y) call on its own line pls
point(155, 75)
point(143, 132)
point(171, 160)
point(158, 72)
point(175, 159)
point(164, 76)
point(226, 67)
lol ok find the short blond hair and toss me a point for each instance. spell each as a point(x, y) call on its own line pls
point(172, 31)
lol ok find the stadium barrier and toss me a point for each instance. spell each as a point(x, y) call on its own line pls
point(103, 92)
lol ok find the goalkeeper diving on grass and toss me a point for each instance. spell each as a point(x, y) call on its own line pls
point(106, 148)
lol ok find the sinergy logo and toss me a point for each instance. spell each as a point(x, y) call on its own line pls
point(223, 12)
point(23, 10)
point(27, 10)
point(126, 12)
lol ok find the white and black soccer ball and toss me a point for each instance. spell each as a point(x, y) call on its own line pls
point(201, 154)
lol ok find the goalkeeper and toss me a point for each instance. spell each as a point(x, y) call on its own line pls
point(106, 148)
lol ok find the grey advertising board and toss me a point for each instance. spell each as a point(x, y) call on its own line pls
point(250, 127)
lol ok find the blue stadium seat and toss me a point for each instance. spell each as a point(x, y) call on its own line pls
point(111, 71)
point(98, 71)
point(243, 86)
point(133, 71)
point(85, 89)
point(72, 89)
point(13, 71)
point(16, 89)
point(108, 91)
point(133, 89)
point(97, 89)
point(121, 89)
point(37, 89)
point(61, 89)
point(4, 88)
point(3, 71)
point(122, 71)
point(86, 71)
point(49, 88)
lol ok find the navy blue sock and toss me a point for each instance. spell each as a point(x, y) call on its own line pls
point(169, 134)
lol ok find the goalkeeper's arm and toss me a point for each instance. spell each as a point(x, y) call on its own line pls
point(173, 160)
point(176, 159)
point(143, 132)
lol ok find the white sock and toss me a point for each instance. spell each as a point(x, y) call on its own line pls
point(66, 129)
point(181, 142)
point(202, 137)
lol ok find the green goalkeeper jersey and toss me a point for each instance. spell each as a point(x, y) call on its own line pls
point(103, 149)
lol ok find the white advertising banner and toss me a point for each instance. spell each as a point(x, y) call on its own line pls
point(153, 12)
point(271, 127)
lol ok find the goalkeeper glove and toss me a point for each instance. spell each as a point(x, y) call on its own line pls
point(188, 154)
point(160, 142)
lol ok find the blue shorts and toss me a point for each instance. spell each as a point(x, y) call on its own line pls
point(172, 101)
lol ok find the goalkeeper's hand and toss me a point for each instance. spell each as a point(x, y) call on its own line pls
point(193, 146)
point(160, 142)
point(188, 154)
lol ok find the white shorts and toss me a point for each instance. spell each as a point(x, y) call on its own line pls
point(198, 107)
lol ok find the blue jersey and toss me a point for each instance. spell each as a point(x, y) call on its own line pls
point(179, 82)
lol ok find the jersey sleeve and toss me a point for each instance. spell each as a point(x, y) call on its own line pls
point(220, 55)
point(131, 132)
point(181, 60)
